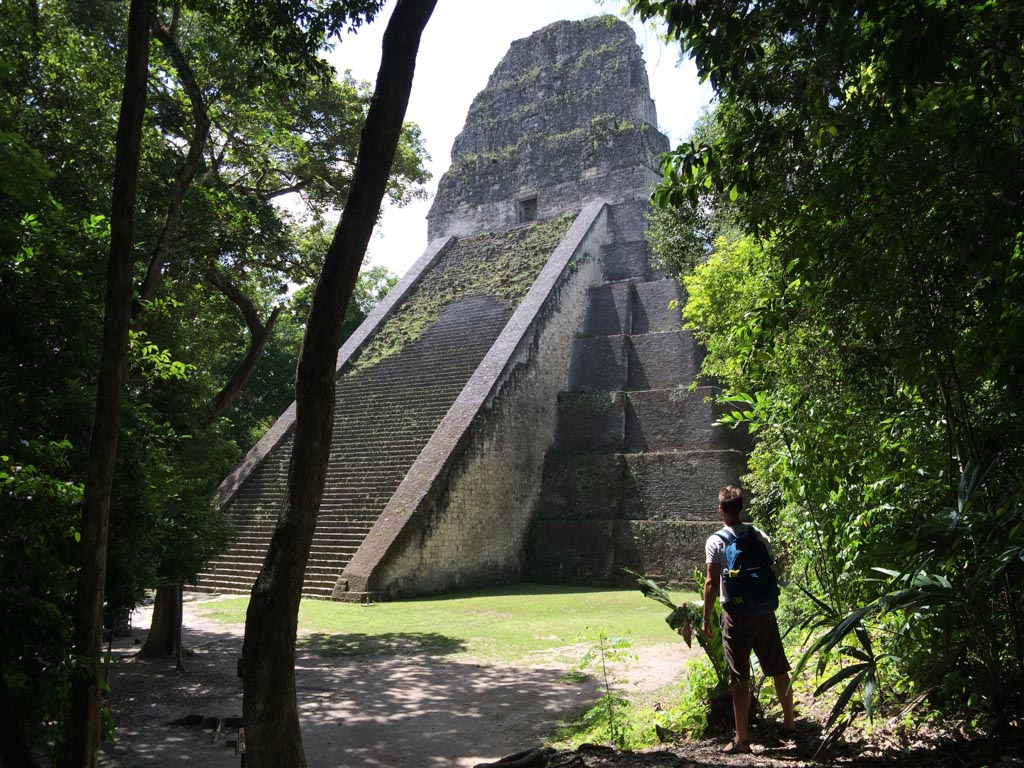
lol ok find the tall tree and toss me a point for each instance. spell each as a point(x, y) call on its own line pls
point(275, 123)
point(82, 729)
point(683, 236)
point(268, 679)
point(871, 322)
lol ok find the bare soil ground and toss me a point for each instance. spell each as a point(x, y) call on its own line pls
point(361, 711)
point(422, 711)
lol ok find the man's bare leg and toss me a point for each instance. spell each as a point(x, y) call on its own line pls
point(785, 694)
point(741, 709)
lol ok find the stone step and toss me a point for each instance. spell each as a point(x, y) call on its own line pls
point(227, 584)
point(632, 308)
point(663, 419)
point(625, 260)
point(643, 420)
point(627, 221)
point(663, 360)
point(636, 362)
point(595, 551)
point(608, 310)
point(590, 422)
point(650, 307)
point(668, 485)
point(599, 364)
point(315, 570)
point(325, 536)
point(253, 544)
point(259, 541)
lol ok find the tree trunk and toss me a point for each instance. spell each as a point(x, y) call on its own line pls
point(82, 726)
point(164, 638)
point(269, 707)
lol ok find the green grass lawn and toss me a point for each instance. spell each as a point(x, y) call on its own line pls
point(525, 622)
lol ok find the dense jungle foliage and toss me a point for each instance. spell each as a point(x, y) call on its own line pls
point(864, 313)
point(240, 116)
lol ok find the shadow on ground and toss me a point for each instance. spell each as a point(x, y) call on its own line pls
point(420, 708)
point(384, 644)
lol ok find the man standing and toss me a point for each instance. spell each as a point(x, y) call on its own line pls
point(739, 569)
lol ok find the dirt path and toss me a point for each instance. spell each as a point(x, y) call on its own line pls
point(356, 711)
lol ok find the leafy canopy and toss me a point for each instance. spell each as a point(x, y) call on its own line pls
point(866, 319)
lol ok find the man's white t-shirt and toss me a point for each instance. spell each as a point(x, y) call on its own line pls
point(714, 548)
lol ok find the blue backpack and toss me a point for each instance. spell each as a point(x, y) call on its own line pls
point(748, 576)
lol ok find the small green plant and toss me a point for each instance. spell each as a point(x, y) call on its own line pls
point(707, 701)
point(688, 713)
point(684, 618)
point(605, 715)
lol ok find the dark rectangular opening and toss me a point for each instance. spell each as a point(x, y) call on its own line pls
point(527, 209)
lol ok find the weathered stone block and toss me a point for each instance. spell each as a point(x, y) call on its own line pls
point(667, 551)
point(571, 552)
point(599, 363)
point(593, 422)
point(663, 360)
point(627, 222)
point(678, 419)
point(608, 310)
point(678, 485)
point(651, 311)
point(581, 486)
point(626, 261)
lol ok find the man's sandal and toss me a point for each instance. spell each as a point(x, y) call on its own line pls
point(735, 747)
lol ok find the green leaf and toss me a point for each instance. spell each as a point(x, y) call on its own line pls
point(841, 675)
point(846, 695)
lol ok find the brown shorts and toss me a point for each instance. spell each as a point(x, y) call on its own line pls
point(741, 634)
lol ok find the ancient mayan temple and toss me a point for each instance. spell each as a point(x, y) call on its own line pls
point(518, 407)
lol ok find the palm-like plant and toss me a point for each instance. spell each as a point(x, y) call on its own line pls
point(684, 618)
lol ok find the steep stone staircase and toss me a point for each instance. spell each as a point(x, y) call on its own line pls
point(632, 478)
point(384, 416)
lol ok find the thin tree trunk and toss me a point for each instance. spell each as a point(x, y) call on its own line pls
point(82, 726)
point(269, 706)
point(164, 638)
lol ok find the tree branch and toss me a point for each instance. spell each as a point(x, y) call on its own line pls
point(186, 174)
point(259, 335)
point(223, 284)
point(296, 187)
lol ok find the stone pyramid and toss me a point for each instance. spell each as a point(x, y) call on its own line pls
point(517, 408)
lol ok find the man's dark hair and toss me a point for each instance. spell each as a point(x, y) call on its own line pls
point(730, 498)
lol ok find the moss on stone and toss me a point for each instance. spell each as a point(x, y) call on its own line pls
point(601, 52)
point(572, 135)
point(528, 76)
point(609, 123)
point(502, 265)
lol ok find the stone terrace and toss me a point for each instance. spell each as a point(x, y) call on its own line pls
point(633, 476)
point(389, 403)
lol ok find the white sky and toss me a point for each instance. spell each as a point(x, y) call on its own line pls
point(461, 46)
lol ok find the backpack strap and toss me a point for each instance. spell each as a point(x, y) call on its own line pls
point(768, 549)
point(726, 535)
